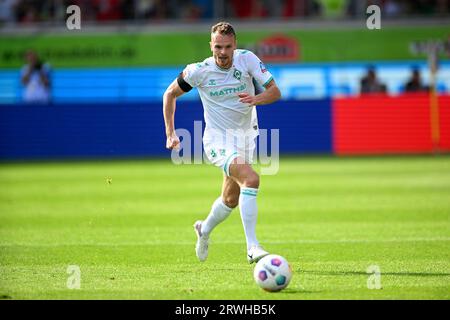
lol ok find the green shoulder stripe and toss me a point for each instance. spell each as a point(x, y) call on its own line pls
point(267, 82)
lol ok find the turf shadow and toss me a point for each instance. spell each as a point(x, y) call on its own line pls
point(295, 290)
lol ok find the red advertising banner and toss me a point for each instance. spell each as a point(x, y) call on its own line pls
point(379, 124)
point(278, 48)
point(444, 123)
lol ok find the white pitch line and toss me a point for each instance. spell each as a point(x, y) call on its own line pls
point(159, 242)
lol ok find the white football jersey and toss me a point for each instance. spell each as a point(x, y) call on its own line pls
point(219, 89)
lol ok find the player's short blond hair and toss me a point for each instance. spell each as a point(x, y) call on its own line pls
point(223, 28)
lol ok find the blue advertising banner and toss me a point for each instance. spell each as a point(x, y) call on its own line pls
point(67, 131)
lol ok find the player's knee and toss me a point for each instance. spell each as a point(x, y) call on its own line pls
point(252, 180)
point(231, 201)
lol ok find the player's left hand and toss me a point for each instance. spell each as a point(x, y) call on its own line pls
point(247, 98)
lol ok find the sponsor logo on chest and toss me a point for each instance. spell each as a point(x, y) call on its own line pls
point(227, 91)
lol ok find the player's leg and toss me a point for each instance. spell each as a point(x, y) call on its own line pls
point(248, 180)
point(223, 205)
point(220, 210)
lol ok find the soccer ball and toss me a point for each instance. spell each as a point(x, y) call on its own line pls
point(272, 273)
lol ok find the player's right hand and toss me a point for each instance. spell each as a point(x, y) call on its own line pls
point(173, 142)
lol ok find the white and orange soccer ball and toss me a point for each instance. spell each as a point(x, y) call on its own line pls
point(272, 273)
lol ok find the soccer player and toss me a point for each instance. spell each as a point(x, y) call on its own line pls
point(225, 84)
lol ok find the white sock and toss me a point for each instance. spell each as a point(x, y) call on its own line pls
point(219, 212)
point(249, 212)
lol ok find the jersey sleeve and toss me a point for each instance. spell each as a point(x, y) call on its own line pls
point(258, 70)
point(24, 70)
point(47, 69)
point(192, 73)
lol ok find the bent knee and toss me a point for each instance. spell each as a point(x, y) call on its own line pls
point(252, 180)
point(231, 201)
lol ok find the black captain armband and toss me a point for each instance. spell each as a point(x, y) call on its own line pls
point(186, 87)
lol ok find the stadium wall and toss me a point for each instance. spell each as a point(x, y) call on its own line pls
point(122, 47)
point(346, 126)
point(137, 130)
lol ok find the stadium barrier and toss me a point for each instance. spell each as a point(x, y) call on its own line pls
point(137, 130)
point(384, 124)
point(362, 125)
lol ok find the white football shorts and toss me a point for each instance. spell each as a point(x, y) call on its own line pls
point(221, 152)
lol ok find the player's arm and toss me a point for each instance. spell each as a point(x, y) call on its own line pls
point(26, 74)
point(177, 88)
point(44, 76)
point(271, 94)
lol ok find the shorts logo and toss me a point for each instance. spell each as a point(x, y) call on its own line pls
point(237, 74)
point(212, 82)
point(213, 153)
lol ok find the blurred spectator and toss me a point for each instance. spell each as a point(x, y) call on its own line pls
point(154, 9)
point(274, 8)
point(144, 8)
point(35, 76)
point(427, 7)
point(8, 11)
point(414, 84)
point(247, 9)
point(398, 8)
point(127, 8)
point(371, 84)
point(33, 11)
point(303, 8)
point(392, 8)
point(27, 11)
point(108, 10)
point(355, 8)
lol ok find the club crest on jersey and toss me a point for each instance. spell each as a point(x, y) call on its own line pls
point(263, 67)
point(237, 74)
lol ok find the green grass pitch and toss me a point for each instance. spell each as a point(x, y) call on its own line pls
point(128, 226)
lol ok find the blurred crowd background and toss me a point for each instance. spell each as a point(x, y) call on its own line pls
point(346, 88)
point(342, 61)
point(99, 11)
